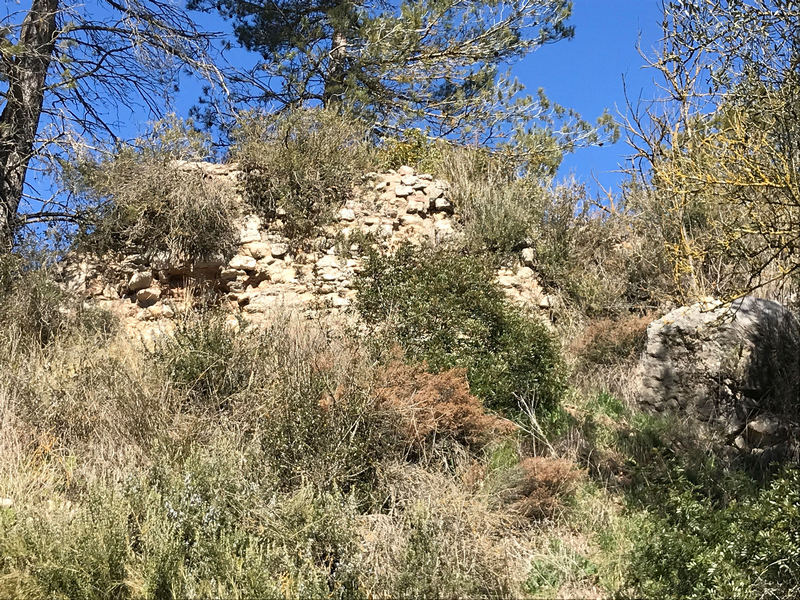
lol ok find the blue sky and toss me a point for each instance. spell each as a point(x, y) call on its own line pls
point(585, 73)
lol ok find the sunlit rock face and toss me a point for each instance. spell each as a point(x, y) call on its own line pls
point(734, 368)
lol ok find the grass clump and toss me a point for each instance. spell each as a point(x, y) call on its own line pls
point(300, 166)
point(443, 308)
point(499, 208)
point(140, 201)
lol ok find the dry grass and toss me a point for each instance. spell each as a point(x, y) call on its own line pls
point(112, 463)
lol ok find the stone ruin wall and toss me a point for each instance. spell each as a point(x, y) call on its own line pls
point(266, 273)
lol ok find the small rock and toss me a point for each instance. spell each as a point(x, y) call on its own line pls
point(140, 280)
point(280, 274)
point(330, 275)
point(242, 262)
point(327, 261)
point(425, 177)
point(347, 214)
point(148, 296)
point(339, 302)
point(410, 219)
point(443, 205)
point(402, 191)
point(525, 273)
point(231, 274)
point(764, 430)
point(405, 170)
point(6, 503)
point(545, 302)
point(443, 229)
point(528, 256)
point(279, 250)
point(231, 324)
point(434, 192)
point(256, 249)
point(415, 206)
point(409, 180)
point(381, 186)
point(372, 220)
point(167, 312)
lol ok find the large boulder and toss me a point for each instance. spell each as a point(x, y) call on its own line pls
point(734, 367)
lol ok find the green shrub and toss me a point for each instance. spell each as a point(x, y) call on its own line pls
point(557, 565)
point(695, 547)
point(413, 149)
point(300, 166)
point(139, 201)
point(205, 359)
point(444, 308)
point(61, 550)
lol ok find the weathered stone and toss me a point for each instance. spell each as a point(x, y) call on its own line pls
point(231, 274)
point(763, 431)
point(528, 256)
point(411, 219)
point(280, 274)
point(257, 250)
point(250, 230)
point(338, 302)
point(347, 214)
point(279, 250)
point(724, 366)
point(403, 191)
point(381, 186)
point(443, 229)
point(409, 180)
point(140, 280)
point(415, 205)
point(524, 273)
point(328, 260)
point(148, 296)
point(405, 170)
point(434, 192)
point(243, 263)
point(443, 205)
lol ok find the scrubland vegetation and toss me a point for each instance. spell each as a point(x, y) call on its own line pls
point(444, 442)
point(461, 449)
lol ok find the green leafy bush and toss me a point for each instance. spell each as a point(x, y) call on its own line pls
point(139, 200)
point(413, 149)
point(499, 208)
point(444, 308)
point(696, 547)
point(300, 166)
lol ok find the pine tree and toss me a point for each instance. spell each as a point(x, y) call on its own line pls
point(442, 66)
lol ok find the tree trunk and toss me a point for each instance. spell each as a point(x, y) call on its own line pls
point(19, 121)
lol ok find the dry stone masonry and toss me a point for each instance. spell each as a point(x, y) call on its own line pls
point(270, 271)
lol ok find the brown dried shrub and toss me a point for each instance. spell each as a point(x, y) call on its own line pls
point(610, 341)
point(432, 406)
point(539, 487)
